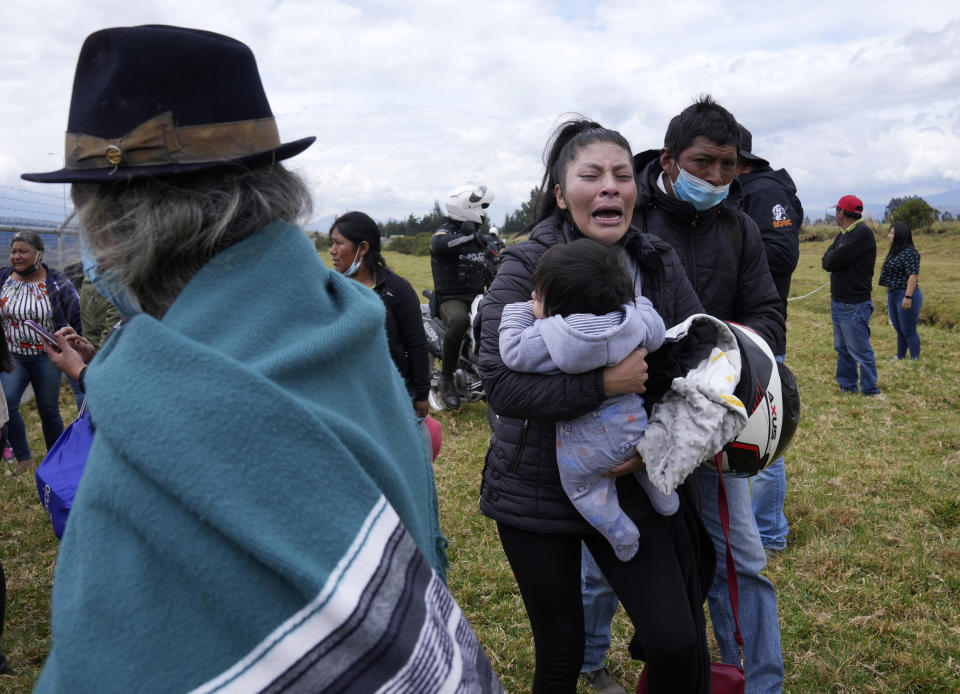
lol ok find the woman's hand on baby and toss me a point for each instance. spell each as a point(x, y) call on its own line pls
point(626, 467)
point(628, 376)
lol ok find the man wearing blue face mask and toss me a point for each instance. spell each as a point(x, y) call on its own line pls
point(681, 189)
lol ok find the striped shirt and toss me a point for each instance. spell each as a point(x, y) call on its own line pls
point(19, 301)
point(591, 324)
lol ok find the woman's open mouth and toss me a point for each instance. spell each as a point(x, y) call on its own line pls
point(608, 215)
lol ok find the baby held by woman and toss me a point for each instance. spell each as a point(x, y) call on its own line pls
point(586, 313)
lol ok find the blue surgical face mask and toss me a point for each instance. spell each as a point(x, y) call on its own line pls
point(357, 262)
point(698, 192)
point(108, 284)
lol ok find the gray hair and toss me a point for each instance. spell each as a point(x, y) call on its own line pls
point(31, 238)
point(158, 232)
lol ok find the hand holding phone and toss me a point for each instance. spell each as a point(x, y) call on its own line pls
point(39, 329)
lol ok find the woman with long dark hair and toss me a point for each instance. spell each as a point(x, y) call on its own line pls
point(899, 274)
point(355, 252)
point(589, 190)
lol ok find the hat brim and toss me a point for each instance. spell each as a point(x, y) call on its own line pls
point(120, 173)
point(641, 159)
point(753, 158)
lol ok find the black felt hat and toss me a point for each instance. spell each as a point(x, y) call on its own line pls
point(159, 100)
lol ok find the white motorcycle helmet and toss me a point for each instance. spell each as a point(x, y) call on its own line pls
point(769, 391)
point(469, 202)
point(494, 231)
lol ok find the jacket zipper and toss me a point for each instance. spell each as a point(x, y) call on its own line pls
point(515, 463)
point(690, 259)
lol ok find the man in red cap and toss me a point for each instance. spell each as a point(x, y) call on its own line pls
point(850, 260)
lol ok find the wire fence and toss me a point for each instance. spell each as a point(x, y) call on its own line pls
point(47, 212)
point(61, 240)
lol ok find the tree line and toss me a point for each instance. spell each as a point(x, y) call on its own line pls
point(414, 232)
point(513, 224)
point(912, 209)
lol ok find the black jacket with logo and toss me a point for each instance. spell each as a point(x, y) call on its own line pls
point(770, 199)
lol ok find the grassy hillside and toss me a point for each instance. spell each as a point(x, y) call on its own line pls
point(869, 587)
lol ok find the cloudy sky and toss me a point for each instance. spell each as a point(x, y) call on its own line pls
point(409, 99)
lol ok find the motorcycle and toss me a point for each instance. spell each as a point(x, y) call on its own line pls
point(466, 377)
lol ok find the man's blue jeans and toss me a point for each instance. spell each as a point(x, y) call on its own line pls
point(759, 623)
point(905, 321)
point(599, 606)
point(851, 340)
point(769, 491)
point(39, 371)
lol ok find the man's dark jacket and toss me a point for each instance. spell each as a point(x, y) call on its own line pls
point(770, 199)
point(722, 253)
point(521, 484)
point(457, 255)
point(850, 260)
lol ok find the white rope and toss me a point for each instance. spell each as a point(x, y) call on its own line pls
point(795, 298)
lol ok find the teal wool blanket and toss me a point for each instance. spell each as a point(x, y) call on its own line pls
point(258, 512)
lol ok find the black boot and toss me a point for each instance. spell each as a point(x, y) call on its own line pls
point(448, 392)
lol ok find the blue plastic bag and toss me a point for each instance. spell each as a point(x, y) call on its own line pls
point(58, 476)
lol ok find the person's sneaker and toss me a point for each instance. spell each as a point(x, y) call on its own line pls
point(8, 456)
point(601, 682)
point(448, 392)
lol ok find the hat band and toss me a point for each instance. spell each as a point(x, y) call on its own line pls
point(158, 141)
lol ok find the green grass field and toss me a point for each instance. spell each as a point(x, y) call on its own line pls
point(869, 587)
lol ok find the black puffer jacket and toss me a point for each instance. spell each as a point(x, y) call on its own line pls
point(722, 252)
point(521, 485)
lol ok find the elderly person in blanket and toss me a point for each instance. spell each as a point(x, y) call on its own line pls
point(187, 564)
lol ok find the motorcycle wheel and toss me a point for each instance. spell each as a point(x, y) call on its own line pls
point(435, 401)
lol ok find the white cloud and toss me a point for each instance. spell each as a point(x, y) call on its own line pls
point(408, 100)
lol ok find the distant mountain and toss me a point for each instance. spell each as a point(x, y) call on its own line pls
point(948, 201)
point(321, 225)
point(875, 210)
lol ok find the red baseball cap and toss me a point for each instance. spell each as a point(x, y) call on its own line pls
point(851, 203)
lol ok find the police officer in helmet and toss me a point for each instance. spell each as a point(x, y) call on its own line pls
point(458, 255)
